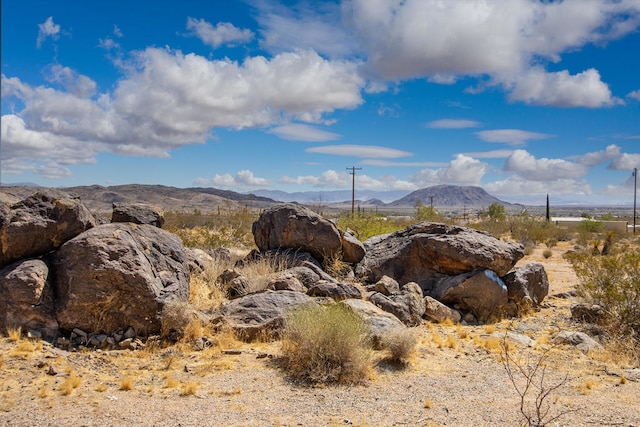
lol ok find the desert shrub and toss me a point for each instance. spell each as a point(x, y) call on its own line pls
point(497, 212)
point(369, 225)
point(427, 213)
point(613, 282)
point(547, 253)
point(400, 343)
point(525, 228)
point(326, 344)
point(491, 226)
point(179, 318)
point(227, 227)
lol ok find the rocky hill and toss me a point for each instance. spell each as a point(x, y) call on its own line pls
point(450, 196)
point(99, 198)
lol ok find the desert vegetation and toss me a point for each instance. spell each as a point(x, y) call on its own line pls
point(328, 344)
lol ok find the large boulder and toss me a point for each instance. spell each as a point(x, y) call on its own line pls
point(336, 290)
point(138, 213)
point(480, 292)
point(262, 314)
point(295, 227)
point(424, 252)
point(41, 223)
point(26, 298)
point(527, 284)
point(379, 321)
point(352, 249)
point(119, 275)
point(436, 311)
point(407, 304)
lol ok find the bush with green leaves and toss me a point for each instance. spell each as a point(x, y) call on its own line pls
point(613, 282)
point(369, 225)
point(326, 344)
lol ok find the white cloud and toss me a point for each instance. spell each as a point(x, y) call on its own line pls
point(560, 89)
point(444, 41)
point(595, 158)
point(168, 99)
point(625, 162)
point(223, 33)
point(301, 132)
point(462, 170)
point(117, 32)
point(242, 179)
point(376, 162)
point(528, 167)
point(517, 185)
point(333, 179)
point(301, 26)
point(74, 83)
point(510, 136)
point(493, 154)
point(453, 124)
point(634, 95)
point(369, 151)
point(47, 29)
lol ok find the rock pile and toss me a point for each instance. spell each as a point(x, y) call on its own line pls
point(62, 272)
point(103, 285)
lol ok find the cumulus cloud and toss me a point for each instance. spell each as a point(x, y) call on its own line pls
point(453, 124)
point(334, 179)
point(560, 89)
point(222, 33)
point(444, 41)
point(517, 185)
point(462, 170)
point(634, 95)
point(48, 29)
point(596, 157)
point(511, 136)
point(243, 179)
point(492, 154)
point(168, 99)
point(526, 166)
point(312, 25)
point(74, 83)
point(368, 151)
point(302, 132)
point(625, 162)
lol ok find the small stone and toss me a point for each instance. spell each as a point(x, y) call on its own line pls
point(79, 332)
point(130, 333)
point(232, 351)
point(52, 371)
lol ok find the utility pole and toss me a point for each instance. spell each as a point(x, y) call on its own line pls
point(548, 209)
point(353, 188)
point(635, 182)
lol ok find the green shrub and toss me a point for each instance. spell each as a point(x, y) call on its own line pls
point(326, 344)
point(612, 282)
point(369, 225)
point(547, 253)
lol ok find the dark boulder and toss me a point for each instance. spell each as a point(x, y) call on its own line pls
point(137, 213)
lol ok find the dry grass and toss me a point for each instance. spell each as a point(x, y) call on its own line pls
point(70, 383)
point(170, 382)
point(189, 389)
point(326, 345)
point(400, 343)
point(126, 384)
point(14, 334)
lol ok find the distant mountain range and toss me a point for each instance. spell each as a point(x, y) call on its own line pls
point(99, 198)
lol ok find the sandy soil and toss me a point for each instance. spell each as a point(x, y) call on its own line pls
point(456, 378)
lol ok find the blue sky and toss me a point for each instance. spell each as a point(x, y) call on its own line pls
point(521, 97)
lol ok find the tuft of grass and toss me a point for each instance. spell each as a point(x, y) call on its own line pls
point(126, 384)
point(462, 332)
point(100, 388)
point(70, 383)
point(437, 339)
point(428, 404)
point(189, 389)
point(587, 385)
point(170, 382)
point(43, 392)
point(400, 343)
point(451, 342)
point(326, 344)
point(14, 334)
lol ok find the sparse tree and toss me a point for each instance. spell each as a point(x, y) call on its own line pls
point(497, 212)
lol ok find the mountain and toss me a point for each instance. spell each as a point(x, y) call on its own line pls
point(450, 196)
point(324, 197)
point(100, 199)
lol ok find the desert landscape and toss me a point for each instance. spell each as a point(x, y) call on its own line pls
point(463, 374)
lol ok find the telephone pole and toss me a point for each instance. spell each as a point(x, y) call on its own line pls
point(635, 182)
point(353, 170)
